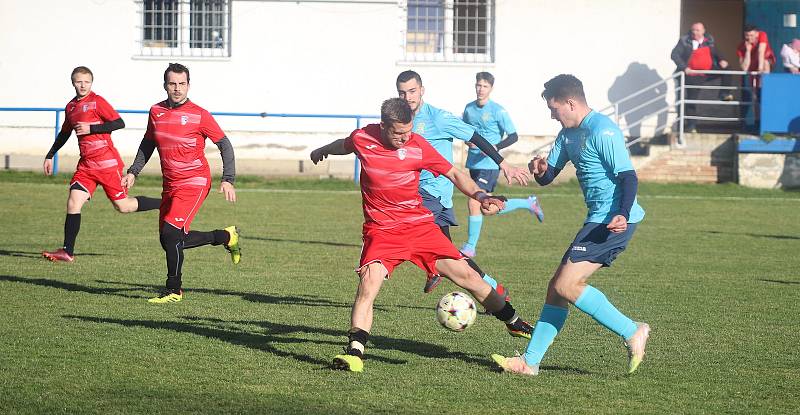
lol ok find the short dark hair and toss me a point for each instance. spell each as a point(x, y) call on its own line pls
point(750, 27)
point(563, 87)
point(81, 69)
point(485, 76)
point(395, 110)
point(176, 68)
point(406, 76)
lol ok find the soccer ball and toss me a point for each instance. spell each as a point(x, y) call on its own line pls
point(456, 311)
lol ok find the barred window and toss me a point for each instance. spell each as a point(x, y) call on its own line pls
point(185, 28)
point(450, 30)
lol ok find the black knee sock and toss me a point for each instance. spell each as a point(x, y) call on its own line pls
point(172, 242)
point(147, 203)
point(198, 238)
point(506, 314)
point(359, 336)
point(72, 224)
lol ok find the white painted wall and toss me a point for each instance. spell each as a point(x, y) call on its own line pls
point(319, 57)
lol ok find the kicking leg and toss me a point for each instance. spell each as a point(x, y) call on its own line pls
point(136, 204)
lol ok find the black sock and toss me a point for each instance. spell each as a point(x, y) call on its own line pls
point(147, 203)
point(359, 336)
point(172, 243)
point(72, 224)
point(174, 283)
point(506, 313)
point(199, 238)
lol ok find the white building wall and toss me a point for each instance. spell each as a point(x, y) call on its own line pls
point(319, 57)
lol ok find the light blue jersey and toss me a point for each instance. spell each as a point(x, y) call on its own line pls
point(492, 122)
point(597, 150)
point(440, 127)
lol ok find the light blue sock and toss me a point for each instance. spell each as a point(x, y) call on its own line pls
point(514, 204)
point(550, 323)
point(594, 303)
point(489, 280)
point(474, 230)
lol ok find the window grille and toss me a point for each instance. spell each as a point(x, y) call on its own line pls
point(185, 28)
point(449, 30)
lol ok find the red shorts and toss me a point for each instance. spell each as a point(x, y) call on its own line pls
point(421, 244)
point(180, 205)
point(110, 179)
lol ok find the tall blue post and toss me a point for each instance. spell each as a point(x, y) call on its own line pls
point(356, 164)
point(55, 158)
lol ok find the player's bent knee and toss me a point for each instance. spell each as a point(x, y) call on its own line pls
point(170, 236)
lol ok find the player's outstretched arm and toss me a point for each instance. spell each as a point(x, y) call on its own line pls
point(542, 172)
point(336, 147)
point(467, 186)
point(511, 173)
point(228, 169)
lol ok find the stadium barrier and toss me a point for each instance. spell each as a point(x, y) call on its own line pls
point(58, 112)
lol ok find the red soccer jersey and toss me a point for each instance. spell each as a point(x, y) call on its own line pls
point(769, 55)
point(180, 135)
point(97, 150)
point(390, 177)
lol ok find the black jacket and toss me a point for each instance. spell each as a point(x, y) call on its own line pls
point(683, 51)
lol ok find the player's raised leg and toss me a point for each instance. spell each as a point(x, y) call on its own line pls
point(531, 204)
point(461, 274)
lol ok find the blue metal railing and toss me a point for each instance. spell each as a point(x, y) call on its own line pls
point(356, 117)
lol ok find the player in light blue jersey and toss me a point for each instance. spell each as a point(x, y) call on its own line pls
point(596, 147)
point(492, 122)
point(440, 128)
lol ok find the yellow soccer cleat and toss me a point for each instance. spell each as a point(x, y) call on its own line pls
point(233, 244)
point(348, 362)
point(167, 296)
point(516, 365)
point(636, 346)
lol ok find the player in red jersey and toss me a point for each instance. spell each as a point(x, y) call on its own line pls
point(179, 128)
point(93, 119)
point(397, 227)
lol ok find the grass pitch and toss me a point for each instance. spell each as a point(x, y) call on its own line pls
point(713, 269)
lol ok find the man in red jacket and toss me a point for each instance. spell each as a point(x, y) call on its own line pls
point(696, 51)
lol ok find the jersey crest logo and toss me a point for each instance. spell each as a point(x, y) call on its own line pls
point(419, 128)
point(184, 119)
point(401, 153)
point(85, 107)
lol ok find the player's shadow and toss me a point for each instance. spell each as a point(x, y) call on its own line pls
point(73, 287)
point(754, 235)
point(300, 300)
point(779, 281)
point(271, 336)
point(300, 241)
point(36, 255)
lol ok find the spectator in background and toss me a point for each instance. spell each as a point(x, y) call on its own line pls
point(790, 53)
point(696, 51)
point(755, 54)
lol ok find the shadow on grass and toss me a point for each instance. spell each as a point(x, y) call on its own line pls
point(35, 255)
point(302, 300)
point(298, 241)
point(273, 334)
point(779, 281)
point(69, 286)
point(755, 235)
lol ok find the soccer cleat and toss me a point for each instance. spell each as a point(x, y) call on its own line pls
point(348, 362)
point(536, 208)
point(468, 250)
point(167, 296)
point(520, 328)
point(516, 365)
point(431, 284)
point(58, 255)
point(636, 345)
point(233, 244)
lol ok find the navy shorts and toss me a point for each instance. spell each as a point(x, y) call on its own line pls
point(595, 243)
point(485, 178)
point(442, 216)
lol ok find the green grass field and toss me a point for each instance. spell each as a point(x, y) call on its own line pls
point(713, 269)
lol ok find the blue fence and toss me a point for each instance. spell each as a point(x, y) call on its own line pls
point(356, 117)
